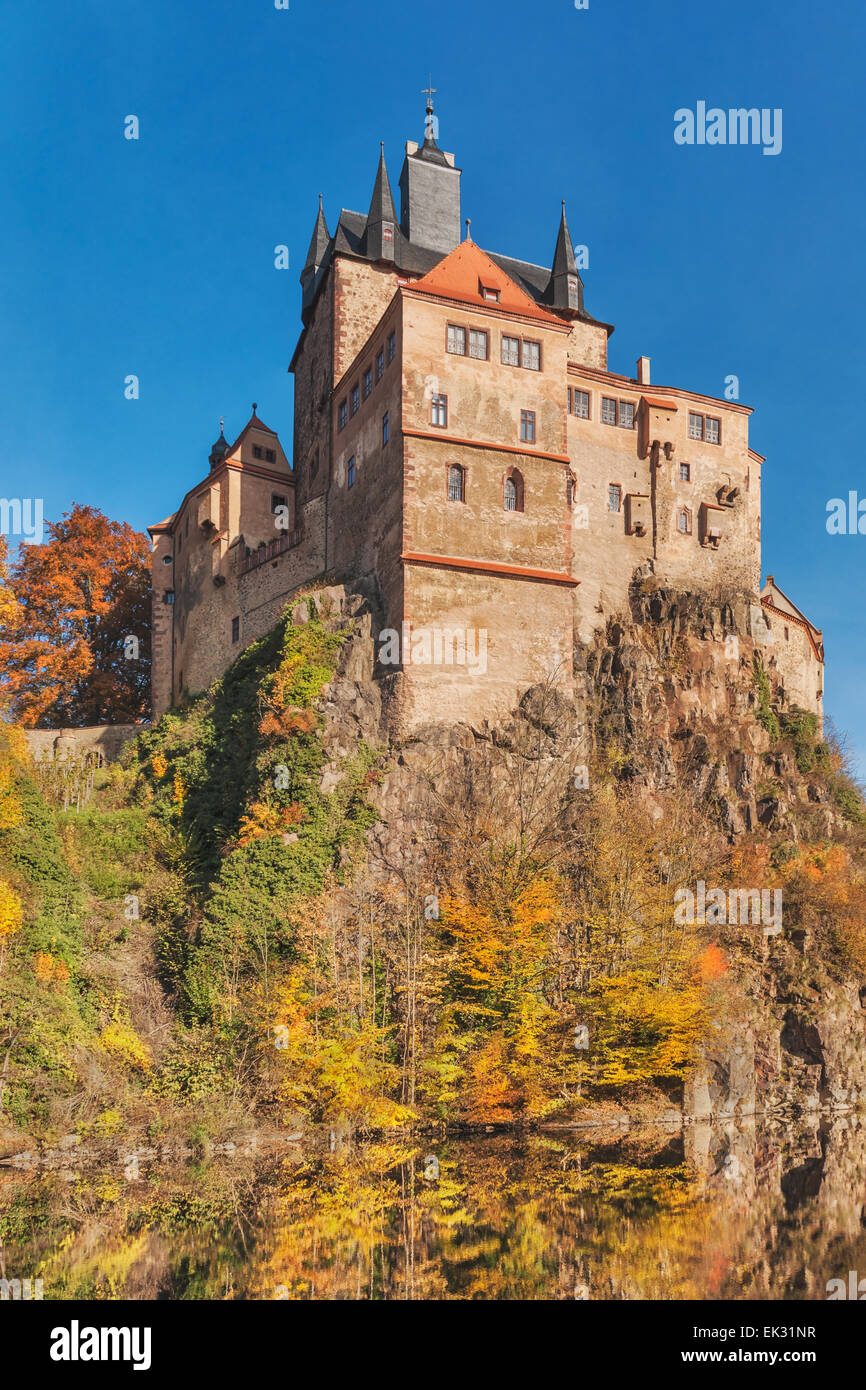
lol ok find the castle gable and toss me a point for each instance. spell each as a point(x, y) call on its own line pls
point(469, 276)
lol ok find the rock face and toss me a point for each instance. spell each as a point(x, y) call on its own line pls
point(667, 695)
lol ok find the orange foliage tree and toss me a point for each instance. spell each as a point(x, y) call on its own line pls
point(75, 625)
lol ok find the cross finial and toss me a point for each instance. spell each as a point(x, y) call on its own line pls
point(429, 92)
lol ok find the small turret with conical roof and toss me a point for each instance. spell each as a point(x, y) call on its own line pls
point(382, 217)
point(565, 290)
point(319, 243)
point(220, 449)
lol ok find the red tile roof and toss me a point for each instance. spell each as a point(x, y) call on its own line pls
point(461, 275)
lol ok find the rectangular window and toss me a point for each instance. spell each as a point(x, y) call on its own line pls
point(457, 339)
point(270, 455)
point(696, 426)
point(511, 351)
point(685, 472)
point(236, 629)
point(531, 355)
point(277, 501)
point(386, 427)
point(626, 415)
point(368, 382)
point(478, 343)
point(350, 472)
point(440, 410)
point(257, 451)
point(342, 415)
point(581, 404)
point(608, 410)
point(527, 426)
point(614, 497)
point(392, 347)
point(714, 430)
point(356, 399)
point(380, 365)
point(490, 294)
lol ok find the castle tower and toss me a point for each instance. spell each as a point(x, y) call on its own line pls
point(430, 192)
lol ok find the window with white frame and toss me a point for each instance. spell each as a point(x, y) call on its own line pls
point(531, 357)
point(510, 351)
point(478, 343)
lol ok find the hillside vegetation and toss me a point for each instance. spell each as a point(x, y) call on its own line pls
point(236, 932)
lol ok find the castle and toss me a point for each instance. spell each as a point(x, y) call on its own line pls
point(462, 450)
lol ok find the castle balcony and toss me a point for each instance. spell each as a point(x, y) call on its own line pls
point(287, 540)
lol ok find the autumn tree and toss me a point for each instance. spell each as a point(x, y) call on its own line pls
point(75, 625)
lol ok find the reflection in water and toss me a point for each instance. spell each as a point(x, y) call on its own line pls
point(710, 1213)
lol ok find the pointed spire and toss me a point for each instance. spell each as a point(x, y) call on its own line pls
point(565, 290)
point(382, 202)
point(382, 217)
point(318, 242)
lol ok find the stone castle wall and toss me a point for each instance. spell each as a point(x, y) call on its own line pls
point(534, 581)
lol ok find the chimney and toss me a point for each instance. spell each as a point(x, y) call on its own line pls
point(643, 371)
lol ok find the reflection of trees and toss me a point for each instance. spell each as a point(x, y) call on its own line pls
point(527, 1221)
point(545, 1217)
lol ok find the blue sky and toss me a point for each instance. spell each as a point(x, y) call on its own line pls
point(156, 257)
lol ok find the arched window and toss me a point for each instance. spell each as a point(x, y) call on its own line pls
point(513, 490)
point(456, 483)
point(684, 521)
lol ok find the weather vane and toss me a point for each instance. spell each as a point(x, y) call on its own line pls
point(431, 125)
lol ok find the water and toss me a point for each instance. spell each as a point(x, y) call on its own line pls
point(708, 1213)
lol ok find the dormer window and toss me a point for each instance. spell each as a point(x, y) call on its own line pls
point(490, 294)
